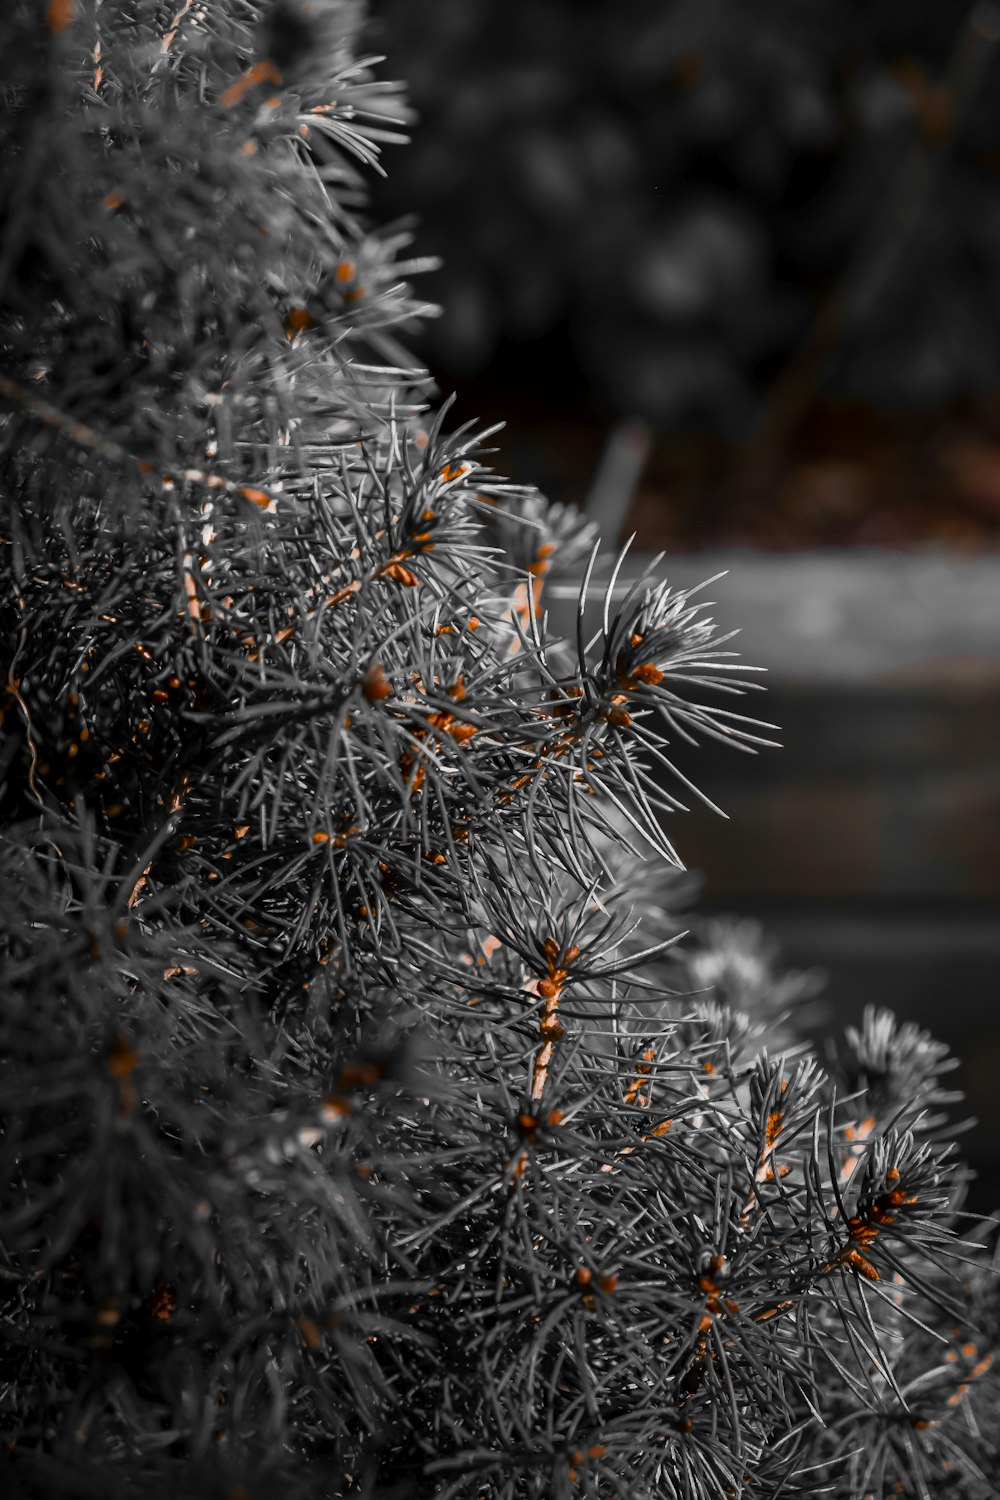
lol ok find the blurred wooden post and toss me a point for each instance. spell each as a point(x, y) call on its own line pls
point(625, 455)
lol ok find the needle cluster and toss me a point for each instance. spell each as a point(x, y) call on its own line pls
point(369, 1129)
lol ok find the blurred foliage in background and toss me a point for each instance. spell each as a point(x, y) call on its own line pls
point(766, 228)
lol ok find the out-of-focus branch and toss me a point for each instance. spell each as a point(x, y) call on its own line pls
point(625, 456)
point(97, 442)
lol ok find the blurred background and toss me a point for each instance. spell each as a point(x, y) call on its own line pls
point(731, 275)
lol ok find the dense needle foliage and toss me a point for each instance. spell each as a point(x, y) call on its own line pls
point(367, 1128)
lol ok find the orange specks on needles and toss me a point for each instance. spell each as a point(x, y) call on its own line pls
point(859, 1263)
point(579, 1455)
point(542, 561)
point(634, 1093)
point(376, 686)
point(163, 1301)
point(59, 14)
point(261, 72)
point(258, 497)
point(310, 1333)
point(527, 597)
point(395, 570)
point(974, 1374)
point(123, 1058)
point(297, 321)
point(647, 674)
point(550, 987)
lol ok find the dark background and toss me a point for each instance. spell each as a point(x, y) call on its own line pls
point(731, 274)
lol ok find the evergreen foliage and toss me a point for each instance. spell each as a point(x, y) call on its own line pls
point(367, 1127)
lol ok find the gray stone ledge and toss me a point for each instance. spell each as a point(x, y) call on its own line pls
point(858, 616)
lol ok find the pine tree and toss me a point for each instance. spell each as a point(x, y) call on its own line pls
point(368, 1127)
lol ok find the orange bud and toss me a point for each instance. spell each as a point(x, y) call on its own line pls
point(123, 1058)
point(258, 497)
point(261, 72)
point(59, 14)
point(403, 576)
point(298, 319)
point(163, 1302)
point(376, 686)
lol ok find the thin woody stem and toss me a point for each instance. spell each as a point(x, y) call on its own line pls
point(171, 33)
point(528, 595)
point(98, 63)
point(543, 1057)
point(79, 432)
point(13, 687)
point(550, 988)
point(173, 808)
